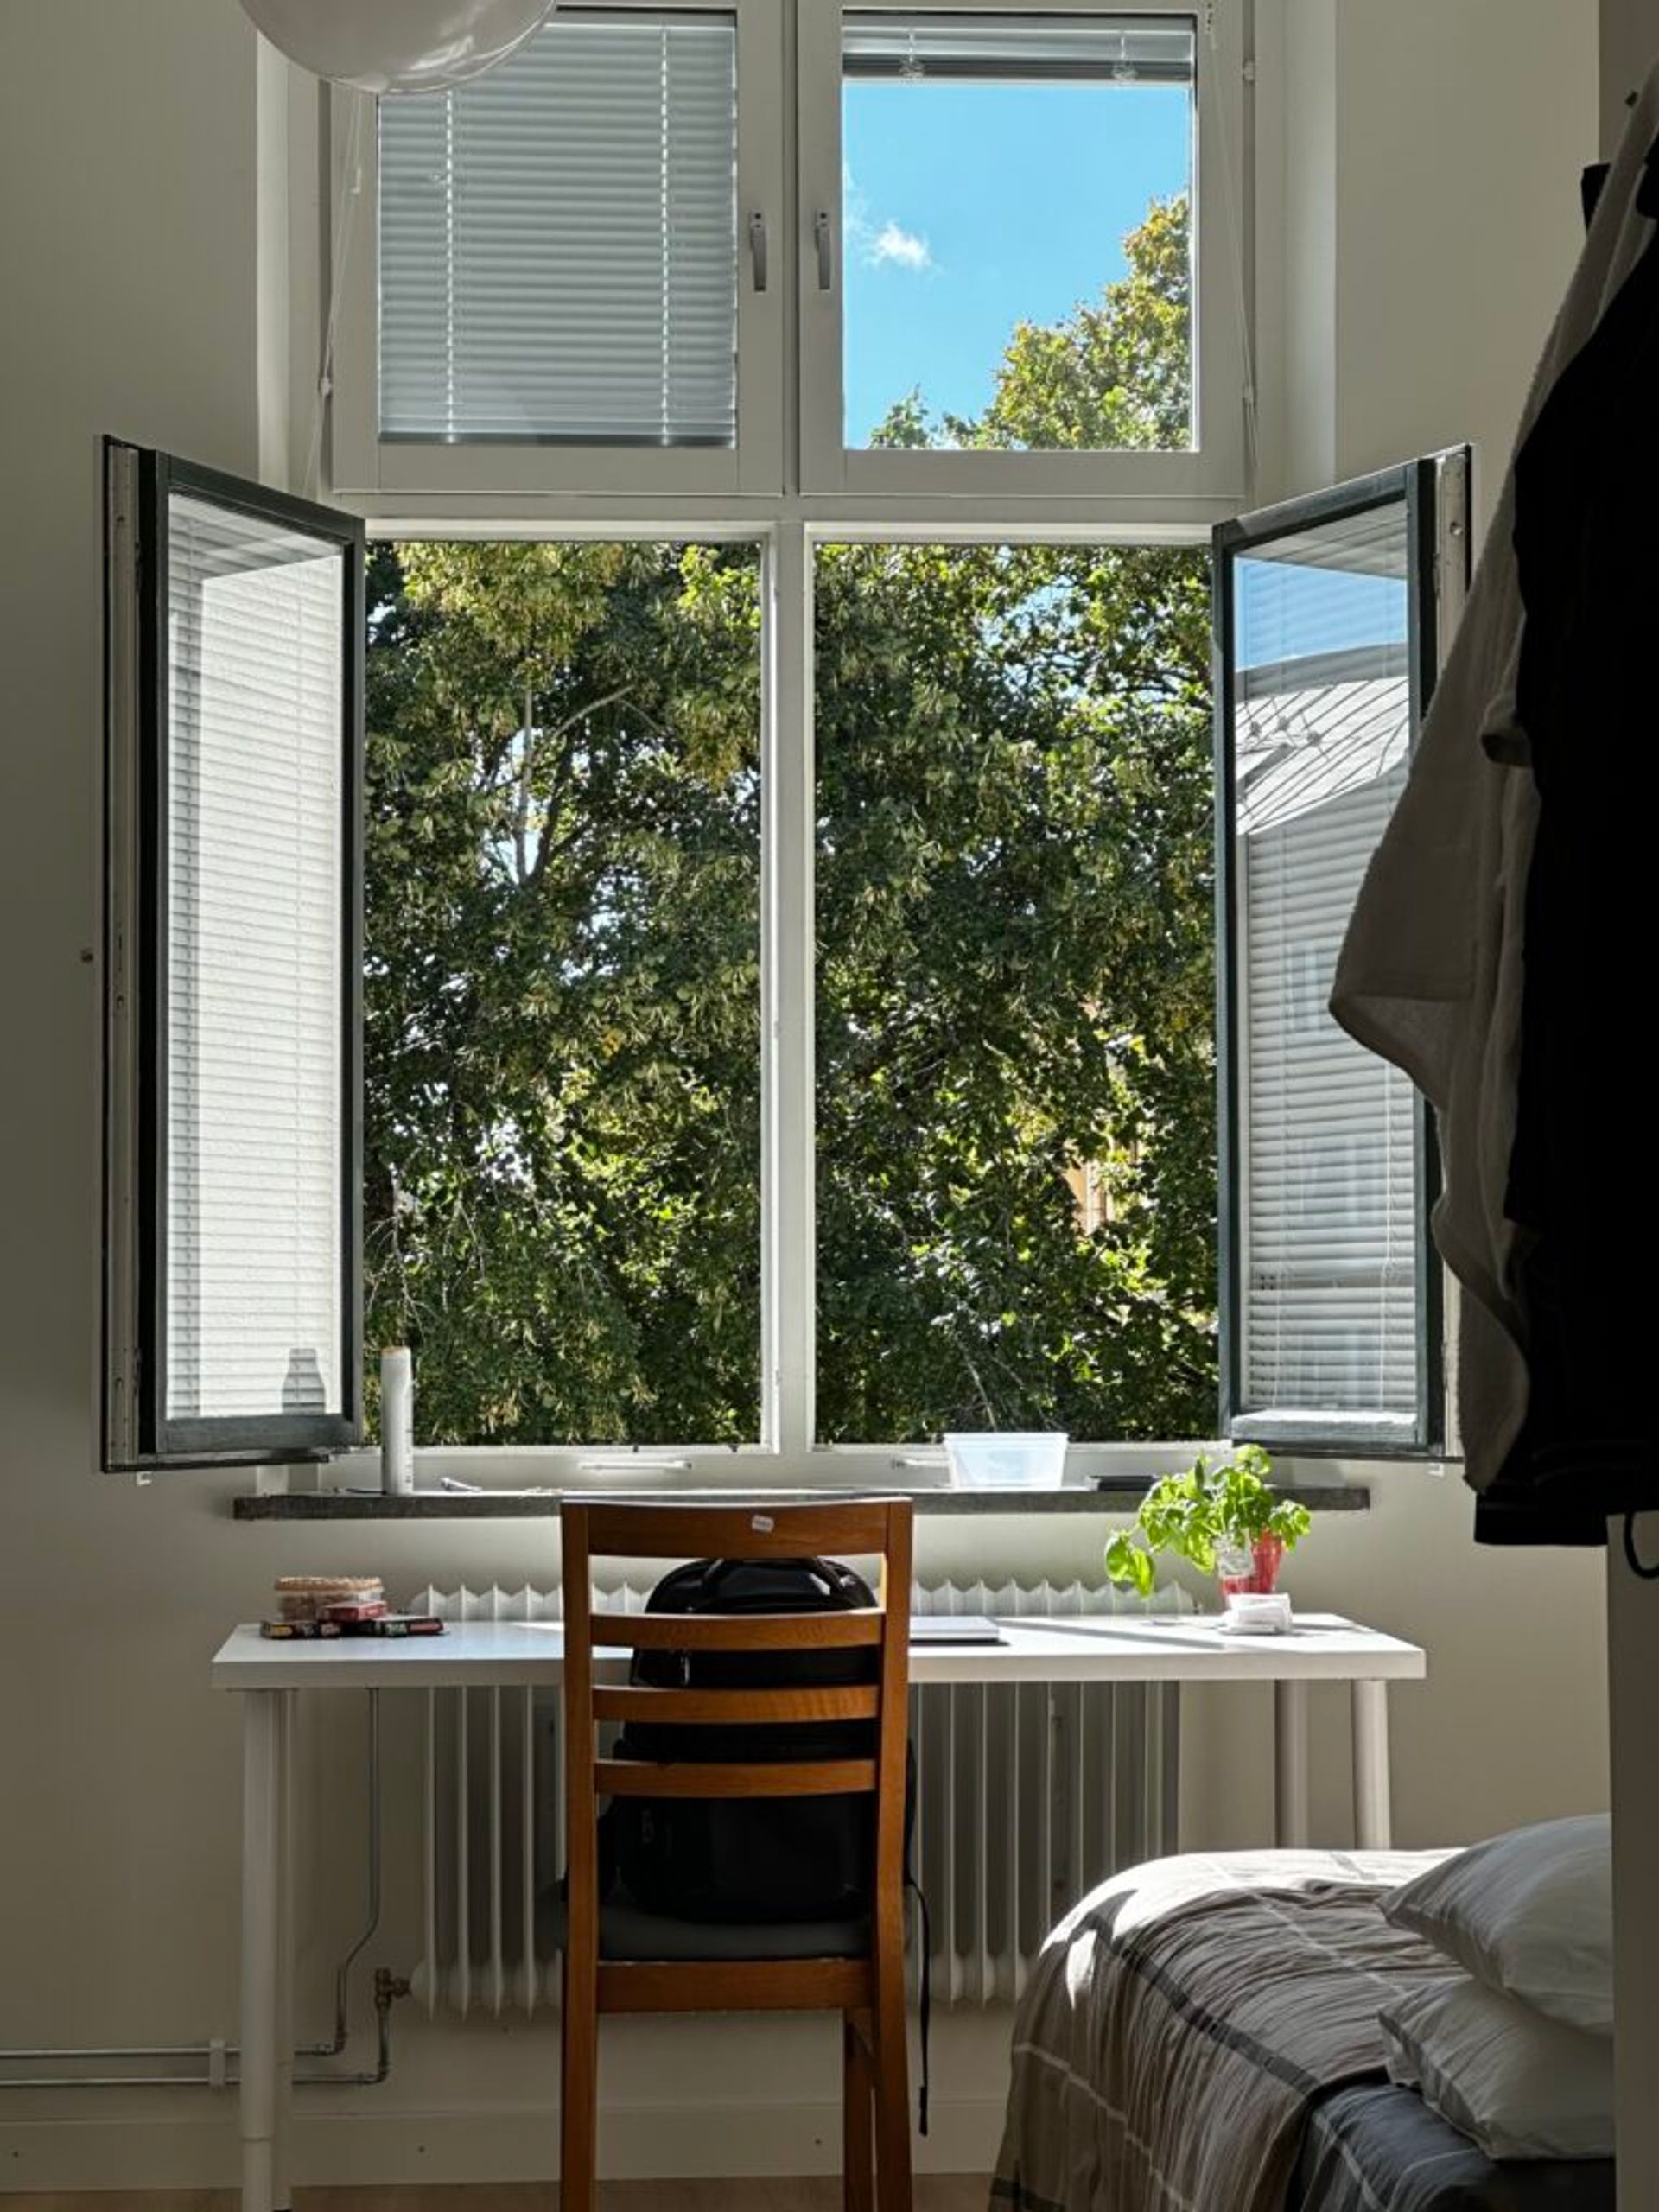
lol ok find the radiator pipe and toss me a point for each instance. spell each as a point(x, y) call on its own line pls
point(387, 1987)
point(342, 1972)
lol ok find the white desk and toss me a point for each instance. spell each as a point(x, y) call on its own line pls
point(530, 1654)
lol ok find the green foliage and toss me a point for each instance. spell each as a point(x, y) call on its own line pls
point(1015, 992)
point(561, 1007)
point(1116, 376)
point(1203, 1511)
point(1016, 1186)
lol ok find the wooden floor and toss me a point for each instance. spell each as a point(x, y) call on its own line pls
point(934, 2193)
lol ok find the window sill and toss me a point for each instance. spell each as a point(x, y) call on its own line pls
point(1113, 1494)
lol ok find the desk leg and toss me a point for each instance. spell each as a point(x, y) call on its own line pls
point(1373, 1822)
point(1290, 1764)
point(283, 2132)
point(263, 1795)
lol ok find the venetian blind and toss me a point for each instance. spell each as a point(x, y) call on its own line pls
point(253, 1091)
point(1329, 1202)
point(558, 256)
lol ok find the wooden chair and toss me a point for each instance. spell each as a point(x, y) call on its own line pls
point(867, 1987)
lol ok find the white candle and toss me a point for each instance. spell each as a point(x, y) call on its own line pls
point(397, 1421)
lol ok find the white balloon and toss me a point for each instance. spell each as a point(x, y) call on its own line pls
point(398, 45)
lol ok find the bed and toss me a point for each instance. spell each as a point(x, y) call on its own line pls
point(1201, 2035)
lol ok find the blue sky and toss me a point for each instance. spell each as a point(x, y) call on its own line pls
point(973, 207)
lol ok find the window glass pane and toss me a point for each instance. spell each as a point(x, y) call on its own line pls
point(1332, 1199)
point(559, 241)
point(1041, 298)
point(1016, 1024)
point(563, 1014)
point(254, 808)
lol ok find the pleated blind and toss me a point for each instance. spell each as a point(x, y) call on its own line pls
point(559, 241)
point(253, 957)
point(1329, 1174)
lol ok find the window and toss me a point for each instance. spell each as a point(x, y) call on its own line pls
point(1015, 1062)
point(235, 953)
point(561, 276)
point(707, 1076)
point(590, 272)
point(1329, 616)
point(558, 242)
point(954, 261)
point(562, 996)
point(790, 997)
point(963, 317)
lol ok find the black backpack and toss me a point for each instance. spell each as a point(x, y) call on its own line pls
point(748, 1859)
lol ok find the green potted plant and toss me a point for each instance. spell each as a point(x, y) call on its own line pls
point(1227, 1520)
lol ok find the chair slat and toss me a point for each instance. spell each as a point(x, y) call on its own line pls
point(733, 1985)
point(738, 1631)
point(757, 1778)
point(860, 1702)
point(626, 1529)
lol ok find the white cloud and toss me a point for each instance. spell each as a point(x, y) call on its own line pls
point(886, 245)
point(903, 248)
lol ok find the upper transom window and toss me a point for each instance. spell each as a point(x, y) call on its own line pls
point(606, 268)
point(558, 256)
point(975, 283)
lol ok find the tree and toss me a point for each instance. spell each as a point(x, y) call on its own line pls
point(1115, 375)
point(1014, 979)
point(562, 1033)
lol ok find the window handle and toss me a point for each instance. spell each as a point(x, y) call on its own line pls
point(823, 237)
point(758, 249)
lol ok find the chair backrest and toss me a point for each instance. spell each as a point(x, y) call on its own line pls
point(598, 1528)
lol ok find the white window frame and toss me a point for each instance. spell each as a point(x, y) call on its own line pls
point(761, 495)
point(364, 466)
point(789, 355)
point(1223, 398)
point(1433, 493)
point(787, 1449)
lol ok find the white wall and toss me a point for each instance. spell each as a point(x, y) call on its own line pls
point(1629, 49)
point(130, 286)
point(1430, 170)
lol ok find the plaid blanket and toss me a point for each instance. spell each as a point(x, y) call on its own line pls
point(1184, 2019)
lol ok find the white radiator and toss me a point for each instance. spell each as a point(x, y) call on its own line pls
point(1027, 1797)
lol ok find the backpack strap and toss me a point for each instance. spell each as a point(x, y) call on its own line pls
point(925, 1972)
point(925, 1994)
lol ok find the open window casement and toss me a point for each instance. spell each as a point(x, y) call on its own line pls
point(234, 959)
point(1332, 614)
point(1040, 138)
point(568, 275)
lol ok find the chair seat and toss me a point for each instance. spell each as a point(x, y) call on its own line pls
point(625, 1931)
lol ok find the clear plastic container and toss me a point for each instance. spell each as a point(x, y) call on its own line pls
point(1006, 1459)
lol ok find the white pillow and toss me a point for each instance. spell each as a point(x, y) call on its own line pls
point(1530, 1913)
point(1523, 2085)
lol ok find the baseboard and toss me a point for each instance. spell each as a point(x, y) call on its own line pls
point(197, 2149)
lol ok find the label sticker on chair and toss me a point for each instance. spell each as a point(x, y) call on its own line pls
point(762, 1523)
